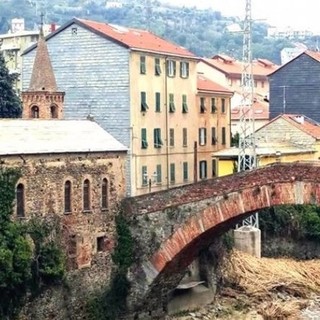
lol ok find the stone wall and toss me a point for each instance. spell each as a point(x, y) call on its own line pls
point(88, 236)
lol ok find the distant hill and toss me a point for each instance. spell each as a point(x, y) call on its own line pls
point(204, 32)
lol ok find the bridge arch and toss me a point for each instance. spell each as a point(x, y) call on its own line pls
point(210, 208)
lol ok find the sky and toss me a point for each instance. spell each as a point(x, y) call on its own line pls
point(300, 14)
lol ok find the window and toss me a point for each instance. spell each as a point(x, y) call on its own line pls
point(184, 69)
point(74, 31)
point(144, 105)
point(104, 194)
point(35, 112)
point(142, 64)
point(159, 173)
point(144, 141)
point(144, 172)
point(157, 138)
point(213, 105)
point(171, 103)
point(20, 200)
point(202, 105)
point(223, 135)
point(213, 136)
point(184, 104)
point(100, 244)
point(223, 105)
point(171, 137)
point(172, 172)
point(171, 68)
point(86, 195)
point(157, 67)
point(158, 105)
point(184, 137)
point(214, 168)
point(67, 196)
point(203, 169)
point(54, 112)
point(185, 171)
point(202, 136)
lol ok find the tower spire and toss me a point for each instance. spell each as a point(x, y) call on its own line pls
point(42, 77)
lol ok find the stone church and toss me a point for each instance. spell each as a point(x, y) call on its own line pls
point(71, 169)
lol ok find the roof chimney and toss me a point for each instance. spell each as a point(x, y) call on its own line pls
point(299, 119)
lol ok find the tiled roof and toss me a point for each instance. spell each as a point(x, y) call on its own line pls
point(204, 84)
point(227, 65)
point(54, 136)
point(304, 123)
point(135, 38)
point(260, 111)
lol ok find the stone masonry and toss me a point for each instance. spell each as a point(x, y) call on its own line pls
point(173, 226)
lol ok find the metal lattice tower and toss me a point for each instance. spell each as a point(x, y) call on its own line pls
point(247, 158)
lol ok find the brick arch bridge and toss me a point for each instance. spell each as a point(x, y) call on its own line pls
point(171, 227)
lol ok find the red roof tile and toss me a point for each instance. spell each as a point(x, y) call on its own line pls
point(260, 111)
point(135, 38)
point(260, 67)
point(204, 84)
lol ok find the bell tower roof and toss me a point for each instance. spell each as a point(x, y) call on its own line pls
point(42, 78)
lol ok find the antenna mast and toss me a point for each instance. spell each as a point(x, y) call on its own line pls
point(247, 157)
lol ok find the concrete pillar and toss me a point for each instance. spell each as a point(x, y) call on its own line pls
point(248, 239)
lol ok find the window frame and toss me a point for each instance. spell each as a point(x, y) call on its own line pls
point(157, 141)
point(213, 136)
point(184, 69)
point(223, 105)
point(143, 66)
point(213, 105)
point(184, 137)
point(67, 197)
point(157, 102)
point(203, 169)
point(185, 168)
point(202, 136)
point(203, 108)
point(86, 195)
point(159, 174)
point(184, 104)
point(143, 101)
point(105, 194)
point(157, 67)
point(172, 107)
point(144, 138)
point(144, 176)
point(214, 168)
point(20, 200)
point(35, 112)
point(223, 136)
point(171, 137)
point(172, 173)
point(171, 68)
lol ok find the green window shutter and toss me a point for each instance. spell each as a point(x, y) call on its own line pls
point(223, 138)
point(172, 172)
point(223, 105)
point(158, 106)
point(144, 142)
point(184, 137)
point(213, 105)
point(142, 64)
point(171, 103)
point(157, 67)
point(187, 66)
point(144, 105)
point(157, 138)
point(159, 174)
point(171, 137)
point(213, 136)
point(185, 171)
point(202, 105)
point(174, 68)
point(184, 104)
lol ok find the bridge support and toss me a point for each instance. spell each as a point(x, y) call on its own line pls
point(248, 239)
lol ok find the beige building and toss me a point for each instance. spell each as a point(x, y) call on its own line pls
point(213, 107)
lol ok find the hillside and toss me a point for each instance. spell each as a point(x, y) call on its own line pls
point(203, 32)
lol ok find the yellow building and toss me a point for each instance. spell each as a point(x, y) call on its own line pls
point(286, 138)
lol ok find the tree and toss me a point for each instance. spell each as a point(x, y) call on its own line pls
point(10, 104)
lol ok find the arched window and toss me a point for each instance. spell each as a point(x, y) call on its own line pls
point(67, 197)
point(54, 112)
point(104, 194)
point(86, 195)
point(20, 200)
point(35, 112)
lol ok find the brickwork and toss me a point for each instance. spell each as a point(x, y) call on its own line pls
point(172, 227)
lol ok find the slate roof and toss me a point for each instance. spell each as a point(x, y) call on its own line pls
point(134, 39)
point(230, 66)
point(36, 136)
point(204, 84)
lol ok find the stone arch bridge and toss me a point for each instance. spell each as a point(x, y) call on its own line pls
point(171, 227)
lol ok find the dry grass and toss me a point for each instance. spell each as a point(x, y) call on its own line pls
point(261, 280)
